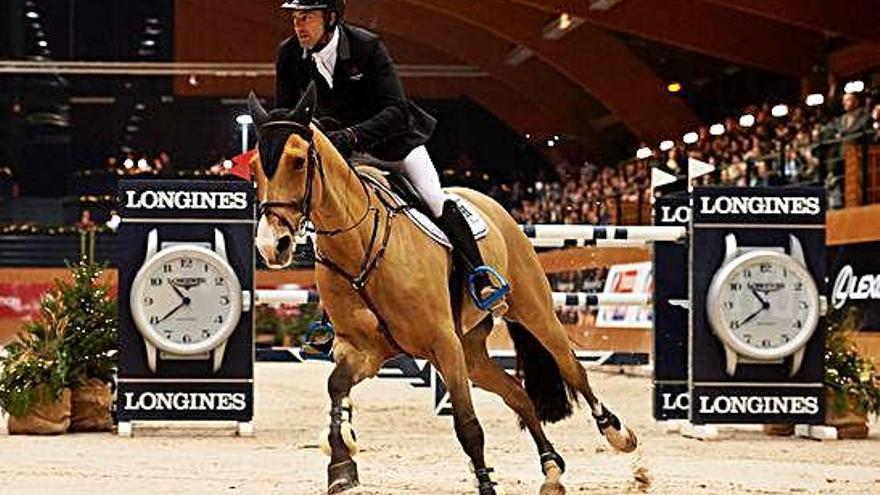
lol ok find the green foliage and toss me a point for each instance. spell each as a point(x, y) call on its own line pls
point(35, 367)
point(851, 376)
point(91, 339)
point(286, 323)
point(72, 339)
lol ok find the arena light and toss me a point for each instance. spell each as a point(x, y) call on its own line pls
point(690, 138)
point(780, 110)
point(128, 163)
point(716, 129)
point(564, 20)
point(32, 14)
point(143, 165)
point(643, 153)
point(854, 87)
point(814, 100)
point(673, 87)
point(148, 42)
point(666, 145)
point(559, 27)
point(747, 120)
point(551, 143)
point(244, 119)
point(43, 43)
point(227, 164)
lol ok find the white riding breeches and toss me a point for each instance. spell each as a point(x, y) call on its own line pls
point(419, 168)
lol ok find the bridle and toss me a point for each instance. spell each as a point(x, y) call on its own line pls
point(370, 262)
point(304, 204)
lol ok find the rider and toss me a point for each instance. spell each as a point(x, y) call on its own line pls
point(359, 89)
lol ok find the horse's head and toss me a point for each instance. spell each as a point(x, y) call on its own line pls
point(285, 175)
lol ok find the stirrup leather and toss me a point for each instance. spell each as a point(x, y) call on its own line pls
point(501, 287)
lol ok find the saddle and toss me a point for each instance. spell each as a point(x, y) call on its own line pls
point(400, 194)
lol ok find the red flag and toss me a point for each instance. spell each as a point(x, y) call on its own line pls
point(241, 165)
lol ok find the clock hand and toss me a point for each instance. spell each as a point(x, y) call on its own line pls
point(753, 315)
point(764, 303)
point(179, 292)
point(185, 302)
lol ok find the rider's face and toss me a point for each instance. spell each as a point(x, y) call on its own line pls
point(309, 27)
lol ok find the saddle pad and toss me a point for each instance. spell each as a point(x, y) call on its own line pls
point(426, 225)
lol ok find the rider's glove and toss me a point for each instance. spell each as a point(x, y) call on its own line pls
point(344, 140)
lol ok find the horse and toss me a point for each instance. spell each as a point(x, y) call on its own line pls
point(387, 289)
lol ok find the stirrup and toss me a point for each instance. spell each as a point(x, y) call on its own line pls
point(501, 290)
point(321, 348)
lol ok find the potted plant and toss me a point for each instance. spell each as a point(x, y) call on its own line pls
point(91, 345)
point(851, 386)
point(57, 375)
point(33, 384)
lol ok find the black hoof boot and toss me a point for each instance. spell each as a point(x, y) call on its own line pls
point(485, 485)
point(342, 476)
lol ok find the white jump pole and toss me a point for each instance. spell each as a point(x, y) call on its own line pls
point(285, 296)
point(560, 299)
point(604, 233)
point(585, 300)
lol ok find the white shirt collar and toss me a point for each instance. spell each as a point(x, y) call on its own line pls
point(325, 58)
point(328, 53)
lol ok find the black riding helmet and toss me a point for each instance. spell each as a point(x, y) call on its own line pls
point(336, 6)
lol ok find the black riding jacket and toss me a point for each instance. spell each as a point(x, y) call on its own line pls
point(367, 95)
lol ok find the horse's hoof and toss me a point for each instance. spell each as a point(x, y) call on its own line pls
point(623, 440)
point(340, 486)
point(552, 488)
point(342, 476)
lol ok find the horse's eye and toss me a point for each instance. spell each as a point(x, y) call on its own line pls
point(299, 163)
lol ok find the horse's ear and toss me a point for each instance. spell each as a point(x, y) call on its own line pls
point(305, 109)
point(258, 113)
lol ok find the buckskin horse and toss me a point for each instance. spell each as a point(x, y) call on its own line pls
point(389, 289)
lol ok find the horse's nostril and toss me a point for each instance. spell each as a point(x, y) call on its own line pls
point(283, 244)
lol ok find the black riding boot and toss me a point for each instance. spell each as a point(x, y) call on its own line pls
point(467, 254)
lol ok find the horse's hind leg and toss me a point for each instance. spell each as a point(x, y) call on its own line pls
point(448, 358)
point(488, 375)
point(531, 305)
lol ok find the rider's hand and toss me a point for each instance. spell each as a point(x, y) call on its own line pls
point(343, 140)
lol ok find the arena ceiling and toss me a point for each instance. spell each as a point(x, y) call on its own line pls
point(580, 75)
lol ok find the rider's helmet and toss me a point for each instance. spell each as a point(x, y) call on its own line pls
point(337, 6)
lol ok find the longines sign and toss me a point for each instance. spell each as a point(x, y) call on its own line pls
point(760, 205)
point(180, 400)
point(768, 206)
point(185, 401)
point(725, 384)
point(185, 200)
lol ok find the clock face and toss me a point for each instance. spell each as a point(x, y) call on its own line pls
point(186, 299)
point(767, 303)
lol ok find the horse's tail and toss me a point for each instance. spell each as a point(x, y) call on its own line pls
point(535, 366)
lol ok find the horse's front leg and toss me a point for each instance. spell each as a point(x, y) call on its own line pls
point(339, 440)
